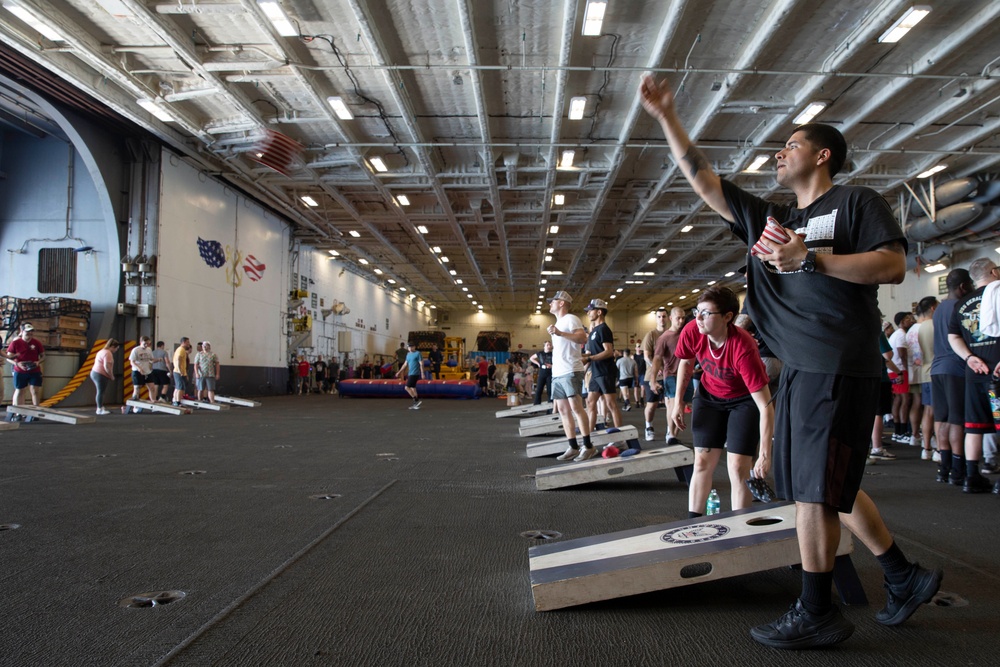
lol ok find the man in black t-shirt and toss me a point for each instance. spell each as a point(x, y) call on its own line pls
point(599, 353)
point(981, 354)
point(813, 294)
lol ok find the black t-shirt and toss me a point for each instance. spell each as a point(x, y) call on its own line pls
point(640, 365)
point(814, 322)
point(544, 359)
point(595, 345)
point(964, 322)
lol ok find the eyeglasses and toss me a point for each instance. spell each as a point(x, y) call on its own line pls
point(705, 313)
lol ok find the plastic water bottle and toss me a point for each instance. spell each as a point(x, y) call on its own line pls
point(714, 505)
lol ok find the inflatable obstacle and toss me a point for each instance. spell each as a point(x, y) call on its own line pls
point(397, 389)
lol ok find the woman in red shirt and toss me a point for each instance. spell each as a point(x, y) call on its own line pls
point(732, 407)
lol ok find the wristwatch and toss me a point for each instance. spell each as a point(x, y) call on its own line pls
point(809, 263)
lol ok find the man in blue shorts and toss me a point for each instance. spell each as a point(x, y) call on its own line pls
point(837, 242)
point(568, 335)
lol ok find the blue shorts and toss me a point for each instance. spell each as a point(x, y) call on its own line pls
point(670, 389)
point(567, 386)
point(925, 395)
point(22, 380)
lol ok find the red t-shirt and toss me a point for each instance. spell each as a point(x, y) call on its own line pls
point(484, 368)
point(26, 351)
point(303, 369)
point(737, 372)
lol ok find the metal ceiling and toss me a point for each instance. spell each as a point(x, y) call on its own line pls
point(467, 101)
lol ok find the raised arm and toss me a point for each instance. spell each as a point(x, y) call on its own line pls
point(658, 100)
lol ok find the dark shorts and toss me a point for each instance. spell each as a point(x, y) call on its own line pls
point(626, 382)
point(978, 415)
point(884, 398)
point(482, 381)
point(411, 381)
point(160, 377)
point(138, 379)
point(670, 389)
point(602, 384)
point(22, 380)
point(652, 396)
point(822, 432)
point(926, 397)
point(180, 382)
point(948, 399)
point(733, 423)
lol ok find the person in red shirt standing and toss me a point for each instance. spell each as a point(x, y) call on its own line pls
point(483, 373)
point(26, 353)
point(304, 369)
point(732, 404)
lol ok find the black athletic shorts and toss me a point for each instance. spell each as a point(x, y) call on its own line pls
point(948, 399)
point(653, 396)
point(602, 384)
point(626, 382)
point(411, 380)
point(978, 415)
point(884, 398)
point(717, 423)
point(822, 432)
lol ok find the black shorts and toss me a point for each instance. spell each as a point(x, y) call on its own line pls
point(822, 432)
point(653, 396)
point(978, 415)
point(626, 382)
point(138, 379)
point(948, 394)
point(884, 398)
point(602, 384)
point(482, 381)
point(160, 377)
point(411, 381)
point(730, 423)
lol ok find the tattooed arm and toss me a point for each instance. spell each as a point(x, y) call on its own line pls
point(658, 100)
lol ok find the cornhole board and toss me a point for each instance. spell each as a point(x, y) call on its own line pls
point(522, 410)
point(9, 426)
point(32, 413)
point(597, 438)
point(544, 425)
point(201, 405)
point(158, 407)
point(670, 555)
point(242, 402)
point(598, 468)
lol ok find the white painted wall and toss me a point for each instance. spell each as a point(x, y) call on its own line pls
point(904, 297)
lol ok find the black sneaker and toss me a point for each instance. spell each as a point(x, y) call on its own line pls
point(956, 478)
point(988, 468)
point(919, 587)
point(942, 476)
point(800, 629)
point(996, 487)
point(976, 484)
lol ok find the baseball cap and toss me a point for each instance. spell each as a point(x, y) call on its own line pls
point(596, 303)
point(27, 327)
point(562, 296)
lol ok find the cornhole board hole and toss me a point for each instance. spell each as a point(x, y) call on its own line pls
point(523, 410)
point(158, 407)
point(597, 438)
point(544, 425)
point(598, 468)
point(9, 426)
point(202, 405)
point(242, 402)
point(670, 555)
point(31, 413)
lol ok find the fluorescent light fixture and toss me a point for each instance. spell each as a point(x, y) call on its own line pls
point(340, 108)
point(433, 307)
point(436, 249)
point(933, 170)
point(695, 290)
point(670, 303)
point(378, 164)
point(552, 273)
point(643, 273)
point(910, 18)
point(474, 302)
point(356, 234)
point(594, 17)
point(635, 282)
point(553, 229)
point(686, 228)
point(546, 282)
point(934, 268)
point(422, 229)
point(391, 281)
point(652, 260)
point(403, 200)
point(378, 272)
point(469, 295)
point(403, 289)
point(453, 272)
point(334, 253)
point(444, 260)
point(661, 251)
point(682, 297)
point(459, 281)
point(577, 105)
point(619, 290)
point(549, 251)
point(559, 200)
point(45, 29)
point(276, 15)
point(730, 274)
point(155, 109)
point(548, 258)
point(809, 113)
point(567, 159)
point(711, 282)
point(309, 201)
point(363, 261)
point(757, 163)
point(541, 289)
point(465, 289)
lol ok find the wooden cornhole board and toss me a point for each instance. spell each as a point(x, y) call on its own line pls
point(242, 402)
point(669, 555)
point(544, 425)
point(598, 468)
point(597, 438)
point(522, 410)
point(202, 405)
point(158, 407)
point(50, 414)
point(9, 426)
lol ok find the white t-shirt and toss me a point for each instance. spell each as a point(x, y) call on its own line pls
point(141, 359)
point(566, 356)
point(897, 340)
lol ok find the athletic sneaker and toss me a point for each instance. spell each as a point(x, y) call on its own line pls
point(882, 455)
point(988, 468)
point(936, 456)
point(902, 600)
point(800, 629)
point(650, 435)
point(925, 455)
point(568, 455)
point(671, 440)
point(416, 406)
point(626, 407)
point(586, 453)
point(976, 484)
